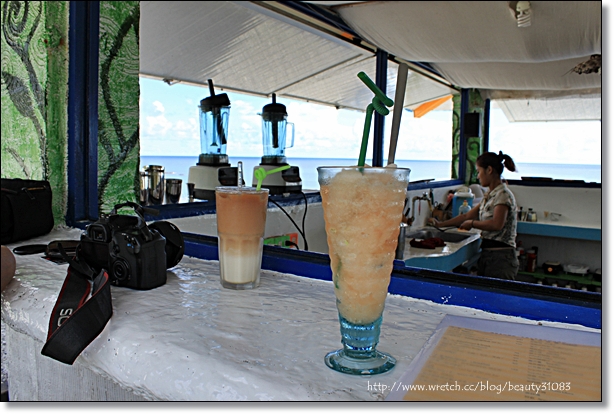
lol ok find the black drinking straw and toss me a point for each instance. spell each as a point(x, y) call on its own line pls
point(274, 126)
point(217, 115)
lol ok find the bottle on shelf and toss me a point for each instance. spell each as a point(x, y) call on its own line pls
point(531, 261)
point(522, 257)
point(464, 208)
point(535, 248)
point(531, 216)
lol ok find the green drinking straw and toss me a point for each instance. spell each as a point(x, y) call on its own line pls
point(377, 104)
point(261, 174)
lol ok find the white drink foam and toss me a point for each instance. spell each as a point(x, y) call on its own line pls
point(240, 268)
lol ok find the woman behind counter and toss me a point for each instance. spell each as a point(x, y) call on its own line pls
point(495, 216)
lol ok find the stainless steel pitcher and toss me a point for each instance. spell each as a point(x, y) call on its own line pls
point(156, 184)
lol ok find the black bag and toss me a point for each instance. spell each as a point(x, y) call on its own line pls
point(26, 209)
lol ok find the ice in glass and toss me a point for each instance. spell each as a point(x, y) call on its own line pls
point(363, 208)
point(241, 219)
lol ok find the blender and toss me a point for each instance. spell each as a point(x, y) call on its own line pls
point(213, 169)
point(274, 122)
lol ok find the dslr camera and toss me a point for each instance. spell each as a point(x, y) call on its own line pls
point(134, 254)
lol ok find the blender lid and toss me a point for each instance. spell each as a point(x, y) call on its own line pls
point(216, 101)
point(274, 107)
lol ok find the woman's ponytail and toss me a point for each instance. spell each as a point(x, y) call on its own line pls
point(507, 161)
point(496, 161)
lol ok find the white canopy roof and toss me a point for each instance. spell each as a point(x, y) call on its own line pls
point(246, 48)
point(249, 48)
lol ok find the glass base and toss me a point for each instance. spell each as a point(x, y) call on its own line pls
point(358, 355)
point(377, 363)
point(240, 286)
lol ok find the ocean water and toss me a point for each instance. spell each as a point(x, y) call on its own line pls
point(178, 167)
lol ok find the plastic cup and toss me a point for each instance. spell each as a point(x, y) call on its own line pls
point(363, 207)
point(241, 219)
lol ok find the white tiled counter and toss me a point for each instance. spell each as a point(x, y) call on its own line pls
point(191, 339)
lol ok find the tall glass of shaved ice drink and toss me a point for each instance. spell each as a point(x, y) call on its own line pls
point(363, 208)
point(241, 218)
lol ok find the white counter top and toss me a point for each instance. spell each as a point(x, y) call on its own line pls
point(191, 339)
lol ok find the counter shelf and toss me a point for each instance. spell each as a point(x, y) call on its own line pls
point(587, 279)
point(489, 294)
point(190, 339)
point(202, 207)
point(556, 229)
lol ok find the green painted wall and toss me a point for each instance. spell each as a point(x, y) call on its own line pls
point(35, 97)
point(34, 94)
point(118, 104)
point(475, 145)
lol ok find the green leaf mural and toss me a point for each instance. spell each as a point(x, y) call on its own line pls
point(118, 107)
point(474, 145)
point(22, 71)
point(455, 136)
point(34, 94)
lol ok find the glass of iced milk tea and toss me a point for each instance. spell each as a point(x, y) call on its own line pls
point(363, 207)
point(241, 218)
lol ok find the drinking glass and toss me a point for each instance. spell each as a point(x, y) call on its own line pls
point(241, 220)
point(363, 207)
point(173, 190)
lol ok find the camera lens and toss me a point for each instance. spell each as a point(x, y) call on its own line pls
point(175, 245)
point(121, 271)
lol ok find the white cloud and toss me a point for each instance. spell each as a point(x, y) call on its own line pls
point(182, 126)
point(159, 106)
point(157, 125)
point(194, 127)
point(244, 108)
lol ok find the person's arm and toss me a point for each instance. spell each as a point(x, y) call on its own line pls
point(458, 220)
point(8, 267)
point(494, 224)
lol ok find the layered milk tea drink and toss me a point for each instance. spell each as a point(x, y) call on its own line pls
point(362, 213)
point(241, 218)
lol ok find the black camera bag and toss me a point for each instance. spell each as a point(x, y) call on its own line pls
point(26, 209)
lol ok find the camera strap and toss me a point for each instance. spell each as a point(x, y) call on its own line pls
point(78, 318)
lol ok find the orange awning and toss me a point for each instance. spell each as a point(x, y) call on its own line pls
point(426, 107)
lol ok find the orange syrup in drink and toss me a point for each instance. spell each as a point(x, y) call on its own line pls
point(362, 213)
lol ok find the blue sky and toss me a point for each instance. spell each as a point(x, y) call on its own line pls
point(170, 126)
point(169, 114)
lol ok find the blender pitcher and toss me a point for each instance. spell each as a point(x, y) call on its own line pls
point(214, 112)
point(274, 122)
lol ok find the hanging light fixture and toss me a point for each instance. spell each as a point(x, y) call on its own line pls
point(522, 12)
